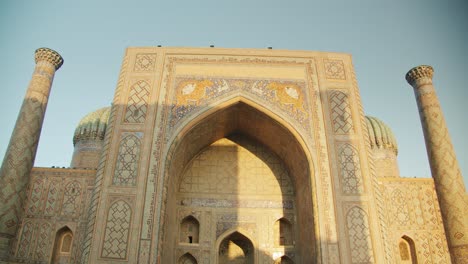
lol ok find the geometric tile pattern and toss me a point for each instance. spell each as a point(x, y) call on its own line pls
point(117, 231)
point(401, 215)
point(144, 62)
point(432, 248)
point(25, 241)
point(350, 170)
point(18, 161)
point(340, 113)
point(445, 170)
point(71, 198)
point(43, 242)
point(412, 206)
point(137, 104)
point(87, 238)
point(334, 69)
point(36, 197)
point(52, 198)
point(412, 209)
point(126, 168)
point(21, 152)
point(246, 168)
point(359, 236)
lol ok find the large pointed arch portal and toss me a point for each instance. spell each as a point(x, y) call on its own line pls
point(242, 117)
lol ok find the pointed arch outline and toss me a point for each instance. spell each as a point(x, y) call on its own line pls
point(172, 144)
point(277, 233)
point(188, 254)
point(411, 247)
point(196, 117)
point(59, 235)
point(280, 258)
point(195, 236)
point(199, 117)
point(232, 231)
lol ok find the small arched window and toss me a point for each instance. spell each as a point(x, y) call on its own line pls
point(283, 232)
point(63, 246)
point(187, 259)
point(407, 250)
point(189, 230)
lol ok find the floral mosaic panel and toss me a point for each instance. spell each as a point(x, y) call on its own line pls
point(334, 69)
point(288, 96)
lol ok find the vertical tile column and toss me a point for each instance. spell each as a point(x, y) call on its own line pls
point(21, 151)
point(444, 166)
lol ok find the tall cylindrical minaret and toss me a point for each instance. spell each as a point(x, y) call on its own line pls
point(444, 166)
point(21, 151)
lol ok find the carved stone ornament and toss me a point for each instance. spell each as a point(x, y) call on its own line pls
point(420, 72)
point(49, 55)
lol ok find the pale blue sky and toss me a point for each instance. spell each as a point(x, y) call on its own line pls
point(386, 39)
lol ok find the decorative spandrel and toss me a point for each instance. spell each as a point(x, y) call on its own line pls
point(288, 96)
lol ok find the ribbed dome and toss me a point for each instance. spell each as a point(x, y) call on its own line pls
point(380, 135)
point(92, 126)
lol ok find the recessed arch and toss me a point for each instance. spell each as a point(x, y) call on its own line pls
point(407, 250)
point(284, 260)
point(187, 258)
point(283, 232)
point(189, 231)
point(235, 246)
point(63, 244)
point(240, 115)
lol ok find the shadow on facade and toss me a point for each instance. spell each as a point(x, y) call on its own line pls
point(215, 179)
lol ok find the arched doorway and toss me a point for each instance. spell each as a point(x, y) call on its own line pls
point(218, 135)
point(236, 249)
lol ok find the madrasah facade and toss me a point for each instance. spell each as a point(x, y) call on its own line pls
point(211, 155)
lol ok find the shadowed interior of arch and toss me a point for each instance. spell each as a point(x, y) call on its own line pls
point(218, 172)
point(236, 248)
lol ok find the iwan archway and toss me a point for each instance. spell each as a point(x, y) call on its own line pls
point(207, 190)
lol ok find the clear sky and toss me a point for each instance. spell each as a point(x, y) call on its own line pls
point(386, 39)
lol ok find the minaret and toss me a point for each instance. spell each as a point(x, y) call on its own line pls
point(21, 151)
point(448, 180)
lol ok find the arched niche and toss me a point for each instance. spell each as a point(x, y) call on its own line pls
point(187, 258)
point(189, 231)
point(236, 248)
point(407, 250)
point(284, 260)
point(241, 116)
point(283, 232)
point(62, 246)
